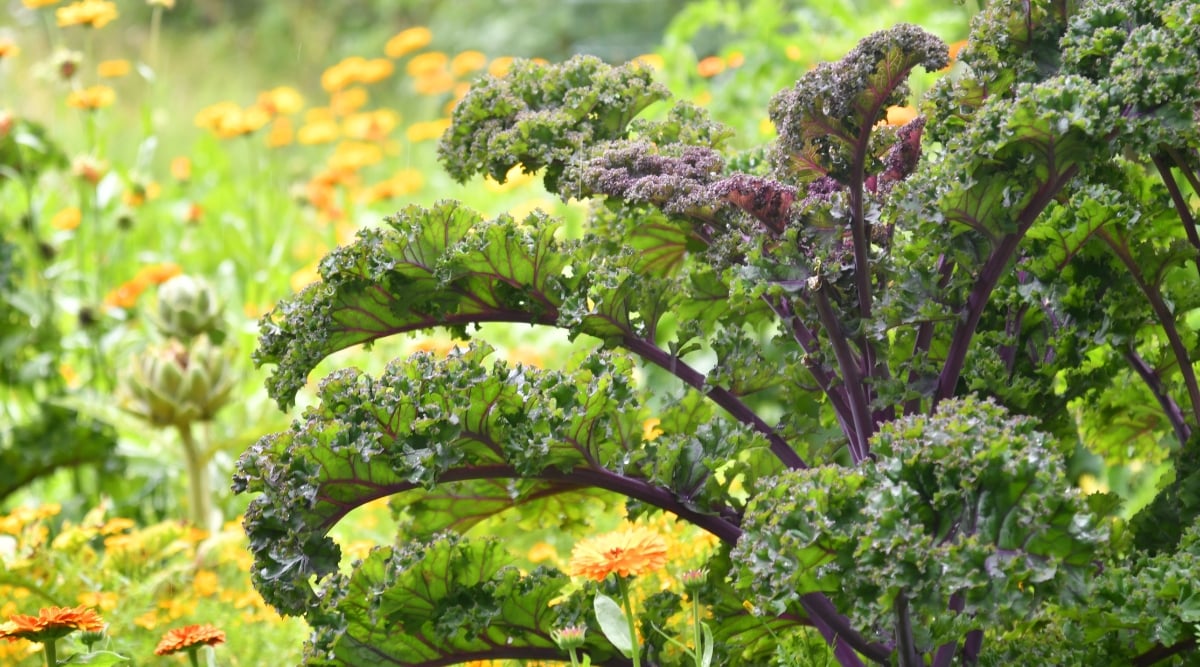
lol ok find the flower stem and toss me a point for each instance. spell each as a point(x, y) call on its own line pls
point(193, 657)
point(697, 633)
point(634, 648)
point(51, 654)
point(199, 485)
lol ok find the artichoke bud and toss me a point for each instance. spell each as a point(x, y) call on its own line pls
point(188, 307)
point(174, 385)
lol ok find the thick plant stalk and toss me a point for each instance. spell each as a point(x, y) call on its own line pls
point(199, 484)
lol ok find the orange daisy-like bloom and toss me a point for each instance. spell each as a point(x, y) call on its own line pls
point(8, 48)
point(627, 552)
point(113, 69)
point(189, 637)
point(35, 4)
point(92, 98)
point(710, 66)
point(94, 13)
point(51, 623)
point(407, 41)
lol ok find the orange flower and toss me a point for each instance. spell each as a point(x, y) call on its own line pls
point(321, 132)
point(500, 66)
point(8, 48)
point(427, 63)
point(433, 129)
point(627, 552)
point(66, 219)
point(284, 99)
point(375, 70)
point(94, 13)
point(434, 83)
point(371, 125)
point(348, 101)
point(158, 273)
point(467, 62)
point(710, 66)
point(407, 41)
point(35, 4)
point(281, 133)
point(954, 50)
point(51, 623)
point(189, 638)
point(897, 116)
point(92, 98)
point(735, 59)
point(113, 69)
point(181, 168)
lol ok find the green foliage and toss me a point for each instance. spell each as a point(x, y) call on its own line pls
point(883, 341)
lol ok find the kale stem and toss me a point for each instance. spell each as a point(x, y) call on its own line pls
point(855, 391)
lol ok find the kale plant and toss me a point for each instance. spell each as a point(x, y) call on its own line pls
point(933, 316)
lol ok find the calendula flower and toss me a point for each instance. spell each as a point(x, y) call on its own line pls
point(92, 13)
point(467, 62)
point(407, 41)
point(500, 66)
point(897, 116)
point(627, 552)
point(281, 132)
point(427, 130)
point(189, 638)
point(166, 4)
point(375, 70)
point(434, 83)
point(8, 48)
point(113, 69)
point(50, 624)
point(284, 99)
point(92, 98)
point(321, 132)
point(710, 66)
point(344, 102)
point(650, 429)
point(181, 168)
point(371, 125)
point(66, 219)
point(36, 4)
point(427, 63)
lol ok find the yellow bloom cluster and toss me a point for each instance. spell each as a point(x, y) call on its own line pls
point(92, 13)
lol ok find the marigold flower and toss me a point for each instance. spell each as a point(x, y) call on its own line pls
point(500, 66)
point(189, 637)
point(37, 4)
point(348, 101)
point(371, 125)
point(434, 83)
point(181, 168)
point(139, 193)
point(735, 59)
point(650, 429)
point(51, 623)
point(353, 155)
point(650, 60)
point(281, 133)
point(318, 133)
point(427, 63)
point(433, 129)
point(793, 53)
point(92, 98)
point(710, 66)
point(375, 70)
point(93, 13)
point(407, 41)
point(897, 116)
point(167, 4)
point(467, 62)
point(8, 48)
point(113, 69)
point(627, 552)
point(953, 51)
point(281, 100)
point(67, 219)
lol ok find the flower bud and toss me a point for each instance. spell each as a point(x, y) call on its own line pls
point(188, 307)
point(173, 385)
point(570, 637)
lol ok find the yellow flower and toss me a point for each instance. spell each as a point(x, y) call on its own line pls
point(139, 193)
point(427, 130)
point(793, 53)
point(8, 48)
point(467, 62)
point(92, 98)
point(434, 83)
point(66, 219)
point(542, 551)
point(627, 552)
point(735, 59)
point(344, 102)
point(189, 637)
point(281, 133)
point(113, 69)
point(651, 60)
point(105, 600)
point(403, 182)
point(94, 13)
point(900, 115)
point(407, 41)
point(352, 155)
point(321, 132)
point(371, 125)
point(35, 4)
point(426, 63)
point(650, 429)
point(284, 99)
point(181, 168)
point(375, 70)
point(206, 583)
point(169, 4)
point(500, 66)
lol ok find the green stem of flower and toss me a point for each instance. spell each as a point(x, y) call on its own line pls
point(634, 648)
point(199, 490)
point(574, 660)
point(697, 631)
point(193, 657)
point(51, 654)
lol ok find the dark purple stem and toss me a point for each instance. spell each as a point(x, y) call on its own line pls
point(1181, 204)
point(989, 276)
point(836, 630)
point(860, 411)
point(719, 395)
point(924, 337)
point(808, 342)
point(1174, 414)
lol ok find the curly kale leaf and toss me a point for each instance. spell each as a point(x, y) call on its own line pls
point(441, 602)
point(825, 121)
point(968, 503)
point(542, 116)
